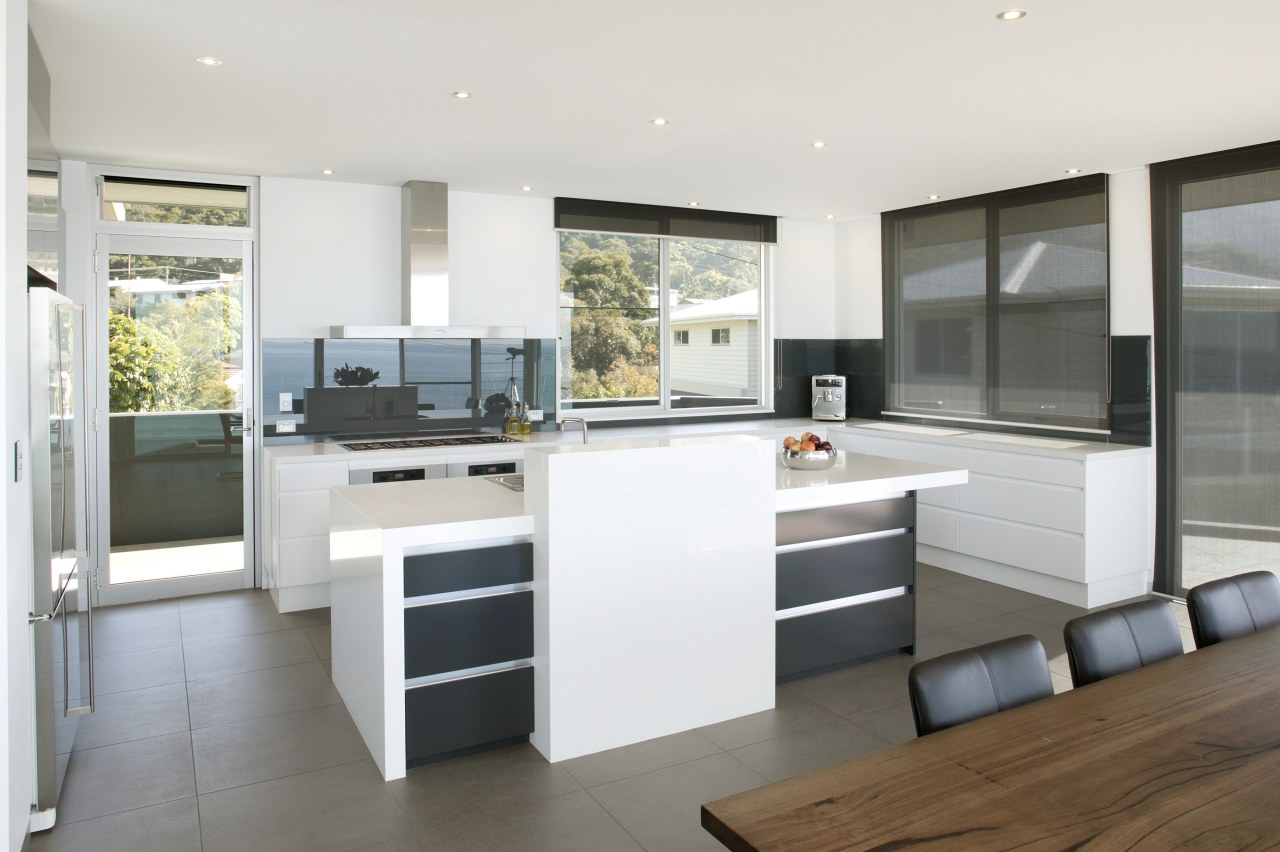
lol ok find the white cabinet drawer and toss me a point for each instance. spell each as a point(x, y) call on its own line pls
point(1022, 466)
point(911, 451)
point(948, 496)
point(1038, 549)
point(307, 476)
point(304, 560)
point(937, 527)
point(1054, 506)
point(303, 513)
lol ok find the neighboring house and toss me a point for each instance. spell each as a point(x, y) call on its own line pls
point(148, 293)
point(715, 348)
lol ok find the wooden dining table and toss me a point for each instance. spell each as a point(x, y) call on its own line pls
point(1182, 754)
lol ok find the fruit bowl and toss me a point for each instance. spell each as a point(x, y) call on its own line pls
point(809, 459)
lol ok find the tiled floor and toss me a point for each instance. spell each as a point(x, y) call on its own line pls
point(217, 729)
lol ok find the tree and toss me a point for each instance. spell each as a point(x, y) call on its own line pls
point(145, 370)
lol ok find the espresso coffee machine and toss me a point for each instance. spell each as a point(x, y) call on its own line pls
point(828, 398)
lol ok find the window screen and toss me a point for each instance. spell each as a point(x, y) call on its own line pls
point(996, 306)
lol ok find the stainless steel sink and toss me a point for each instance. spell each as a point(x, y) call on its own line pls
point(514, 481)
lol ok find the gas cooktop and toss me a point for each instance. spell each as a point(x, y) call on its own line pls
point(408, 441)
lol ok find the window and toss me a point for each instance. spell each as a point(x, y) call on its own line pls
point(634, 276)
point(1217, 370)
point(140, 200)
point(42, 223)
point(996, 307)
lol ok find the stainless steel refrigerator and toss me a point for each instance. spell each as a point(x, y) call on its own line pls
point(61, 609)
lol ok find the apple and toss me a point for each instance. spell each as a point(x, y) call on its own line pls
point(807, 446)
point(788, 441)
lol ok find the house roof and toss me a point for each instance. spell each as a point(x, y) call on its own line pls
point(740, 306)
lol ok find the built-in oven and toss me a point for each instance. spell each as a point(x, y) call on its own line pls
point(421, 472)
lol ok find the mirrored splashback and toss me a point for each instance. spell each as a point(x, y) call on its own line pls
point(328, 386)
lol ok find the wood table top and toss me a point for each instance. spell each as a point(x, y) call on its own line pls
point(1184, 753)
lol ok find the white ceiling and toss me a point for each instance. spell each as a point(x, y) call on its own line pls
point(912, 97)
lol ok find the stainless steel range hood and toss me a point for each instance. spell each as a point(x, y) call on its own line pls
point(424, 284)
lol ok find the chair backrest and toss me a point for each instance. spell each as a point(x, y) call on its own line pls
point(1114, 641)
point(976, 682)
point(1233, 607)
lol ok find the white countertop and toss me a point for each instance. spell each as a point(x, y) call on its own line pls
point(468, 508)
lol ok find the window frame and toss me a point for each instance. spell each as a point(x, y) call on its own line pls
point(680, 337)
point(721, 337)
point(991, 205)
point(664, 409)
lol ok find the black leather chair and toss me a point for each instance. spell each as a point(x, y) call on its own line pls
point(1233, 607)
point(976, 682)
point(1114, 641)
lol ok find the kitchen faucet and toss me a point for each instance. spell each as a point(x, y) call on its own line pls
point(564, 420)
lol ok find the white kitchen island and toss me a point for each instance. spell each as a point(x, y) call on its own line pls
point(653, 589)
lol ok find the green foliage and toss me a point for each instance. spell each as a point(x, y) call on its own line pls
point(175, 358)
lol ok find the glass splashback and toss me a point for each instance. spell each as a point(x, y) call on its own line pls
point(332, 387)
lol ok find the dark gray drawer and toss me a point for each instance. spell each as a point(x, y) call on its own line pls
point(827, 573)
point(447, 637)
point(467, 713)
point(828, 639)
point(851, 519)
point(458, 570)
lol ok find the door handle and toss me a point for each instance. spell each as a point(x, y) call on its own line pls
point(32, 618)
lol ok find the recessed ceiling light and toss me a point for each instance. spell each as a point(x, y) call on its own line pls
point(1011, 15)
point(462, 96)
point(819, 144)
point(934, 197)
point(326, 171)
point(831, 215)
point(208, 61)
point(1073, 171)
point(693, 204)
point(659, 122)
point(526, 189)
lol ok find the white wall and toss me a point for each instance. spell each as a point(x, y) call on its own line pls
point(503, 262)
point(328, 254)
point(804, 280)
point(858, 303)
point(15, 498)
point(1129, 212)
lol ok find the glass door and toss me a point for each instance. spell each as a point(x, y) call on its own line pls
point(173, 420)
point(1217, 221)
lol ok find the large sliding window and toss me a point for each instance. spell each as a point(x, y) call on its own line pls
point(996, 307)
point(1215, 221)
point(661, 308)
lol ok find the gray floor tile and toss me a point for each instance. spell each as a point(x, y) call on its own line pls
point(119, 632)
point(1061, 682)
point(312, 617)
point(1053, 613)
point(319, 636)
point(933, 577)
point(247, 653)
point(130, 775)
point(141, 713)
point(853, 690)
point(494, 780)
point(574, 822)
point(930, 645)
point(204, 624)
point(265, 692)
point(1000, 597)
point(222, 600)
point(1016, 624)
point(340, 808)
point(893, 723)
point(662, 809)
point(936, 609)
point(614, 764)
point(791, 712)
point(170, 827)
point(824, 745)
point(400, 844)
point(138, 669)
point(271, 747)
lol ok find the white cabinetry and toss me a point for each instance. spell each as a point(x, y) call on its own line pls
point(1070, 526)
point(297, 531)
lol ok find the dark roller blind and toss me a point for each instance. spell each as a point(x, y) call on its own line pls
point(582, 214)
